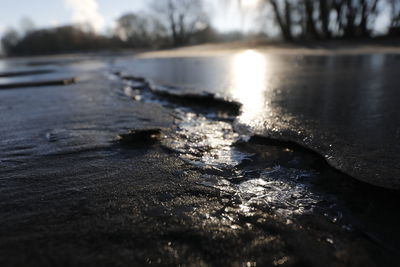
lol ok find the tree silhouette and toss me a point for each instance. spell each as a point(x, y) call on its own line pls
point(181, 17)
point(324, 19)
point(139, 31)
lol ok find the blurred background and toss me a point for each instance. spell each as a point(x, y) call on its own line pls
point(64, 26)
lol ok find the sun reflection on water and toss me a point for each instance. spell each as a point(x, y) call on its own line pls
point(249, 82)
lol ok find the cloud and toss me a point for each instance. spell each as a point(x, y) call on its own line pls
point(86, 11)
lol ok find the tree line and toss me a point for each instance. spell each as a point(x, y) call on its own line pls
point(327, 19)
point(174, 23)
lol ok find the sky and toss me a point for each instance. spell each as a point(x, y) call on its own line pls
point(103, 13)
point(45, 13)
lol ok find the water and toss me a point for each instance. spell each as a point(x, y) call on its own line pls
point(343, 106)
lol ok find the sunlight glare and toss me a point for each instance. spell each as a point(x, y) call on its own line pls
point(249, 83)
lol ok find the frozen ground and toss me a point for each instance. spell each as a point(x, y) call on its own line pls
point(146, 161)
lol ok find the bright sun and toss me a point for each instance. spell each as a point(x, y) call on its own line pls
point(249, 3)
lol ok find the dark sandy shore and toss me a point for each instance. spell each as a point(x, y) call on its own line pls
point(114, 171)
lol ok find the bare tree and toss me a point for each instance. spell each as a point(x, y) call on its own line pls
point(325, 10)
point(360, 15)
point(283, 17)
point(394, 28)
point(139, 31)
point(310, 10)
point(323, 19)
point(181, 17)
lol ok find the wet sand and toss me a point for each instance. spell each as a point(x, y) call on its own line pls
point(116, 170)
